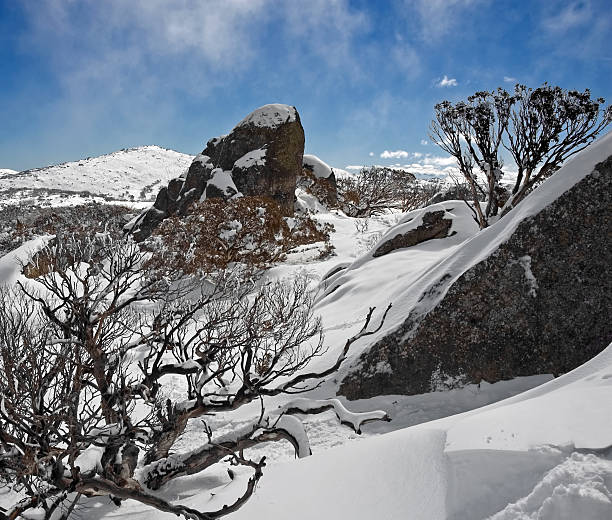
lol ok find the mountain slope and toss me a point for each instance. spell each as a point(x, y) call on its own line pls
point(132, 173)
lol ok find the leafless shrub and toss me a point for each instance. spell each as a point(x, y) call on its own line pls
point(216, 234)
point(540, 128)
point(101, 335)
point(374, 190)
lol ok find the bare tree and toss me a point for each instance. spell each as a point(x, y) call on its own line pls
point(540, 128)
point(548, 125)
point(472, 133)
point(374, 190)
point(102, 336)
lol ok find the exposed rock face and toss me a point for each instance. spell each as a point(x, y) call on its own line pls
point(261, 156)
point(434, 226)
point(540, 304)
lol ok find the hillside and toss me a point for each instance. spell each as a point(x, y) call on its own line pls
point(127, 175)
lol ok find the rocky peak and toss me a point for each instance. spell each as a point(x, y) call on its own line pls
point(261, 156)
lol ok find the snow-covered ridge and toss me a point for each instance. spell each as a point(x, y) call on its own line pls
point(447, 259)
point(270, 116)
point(7, 171)
point(535, 455)
point(132, 173)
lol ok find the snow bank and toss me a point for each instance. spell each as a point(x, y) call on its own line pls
point(270, 116)
point(319, 168)
point(11, 263)
point(396, 476)
point(574, 489)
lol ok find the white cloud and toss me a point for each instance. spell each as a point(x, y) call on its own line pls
point(424, 142)
point(371, 154)
point(417, 155)
point(437, 17)
point(442, 162)
point(509, 79)
point(198, 40)
point(406, 59)
point(574, 15)
point(325, 28)
point(398, 154)
point(353, 167)
point(447, 82)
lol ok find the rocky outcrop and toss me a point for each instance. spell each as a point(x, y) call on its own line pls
point(434, 226)
point(261, 156)
point(318, 179)
point(539, 304)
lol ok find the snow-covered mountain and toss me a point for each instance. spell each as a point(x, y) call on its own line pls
point(131, 174)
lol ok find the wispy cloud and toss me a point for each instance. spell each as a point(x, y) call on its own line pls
point(573, 15)
point(406, 58)
point(509, 79)
point(325, 28)
point(424, 142)
point(447, 82)
point(438, 17)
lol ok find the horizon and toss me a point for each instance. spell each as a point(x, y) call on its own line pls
point(86, 79)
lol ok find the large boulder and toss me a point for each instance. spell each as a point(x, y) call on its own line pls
point(261, 156)
point(536, 302)
point(433, 225)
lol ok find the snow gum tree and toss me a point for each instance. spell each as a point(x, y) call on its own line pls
point(87, 348)
point(540, 128)
point(374, 190)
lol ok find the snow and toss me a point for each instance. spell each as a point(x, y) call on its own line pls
point(319, 168)
point(90, 459)
point(7, 171)
point(253, 158)
point(542, 453)
point(576, 488)
point(396, 476)
point(12, 263)
point(222, 180)
point(270, 116)
point(119, 176)
point(525, 263)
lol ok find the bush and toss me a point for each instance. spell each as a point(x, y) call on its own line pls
point(19, 223)
point(540, 128)
point(217, 233)
point(85, 349)
point(374, 190)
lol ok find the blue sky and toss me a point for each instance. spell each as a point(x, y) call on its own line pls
point(84, 77)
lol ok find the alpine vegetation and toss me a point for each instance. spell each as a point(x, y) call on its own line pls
point(539, 127)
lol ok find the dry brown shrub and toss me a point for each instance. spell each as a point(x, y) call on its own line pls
point(217, 233)
point(323, 189)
